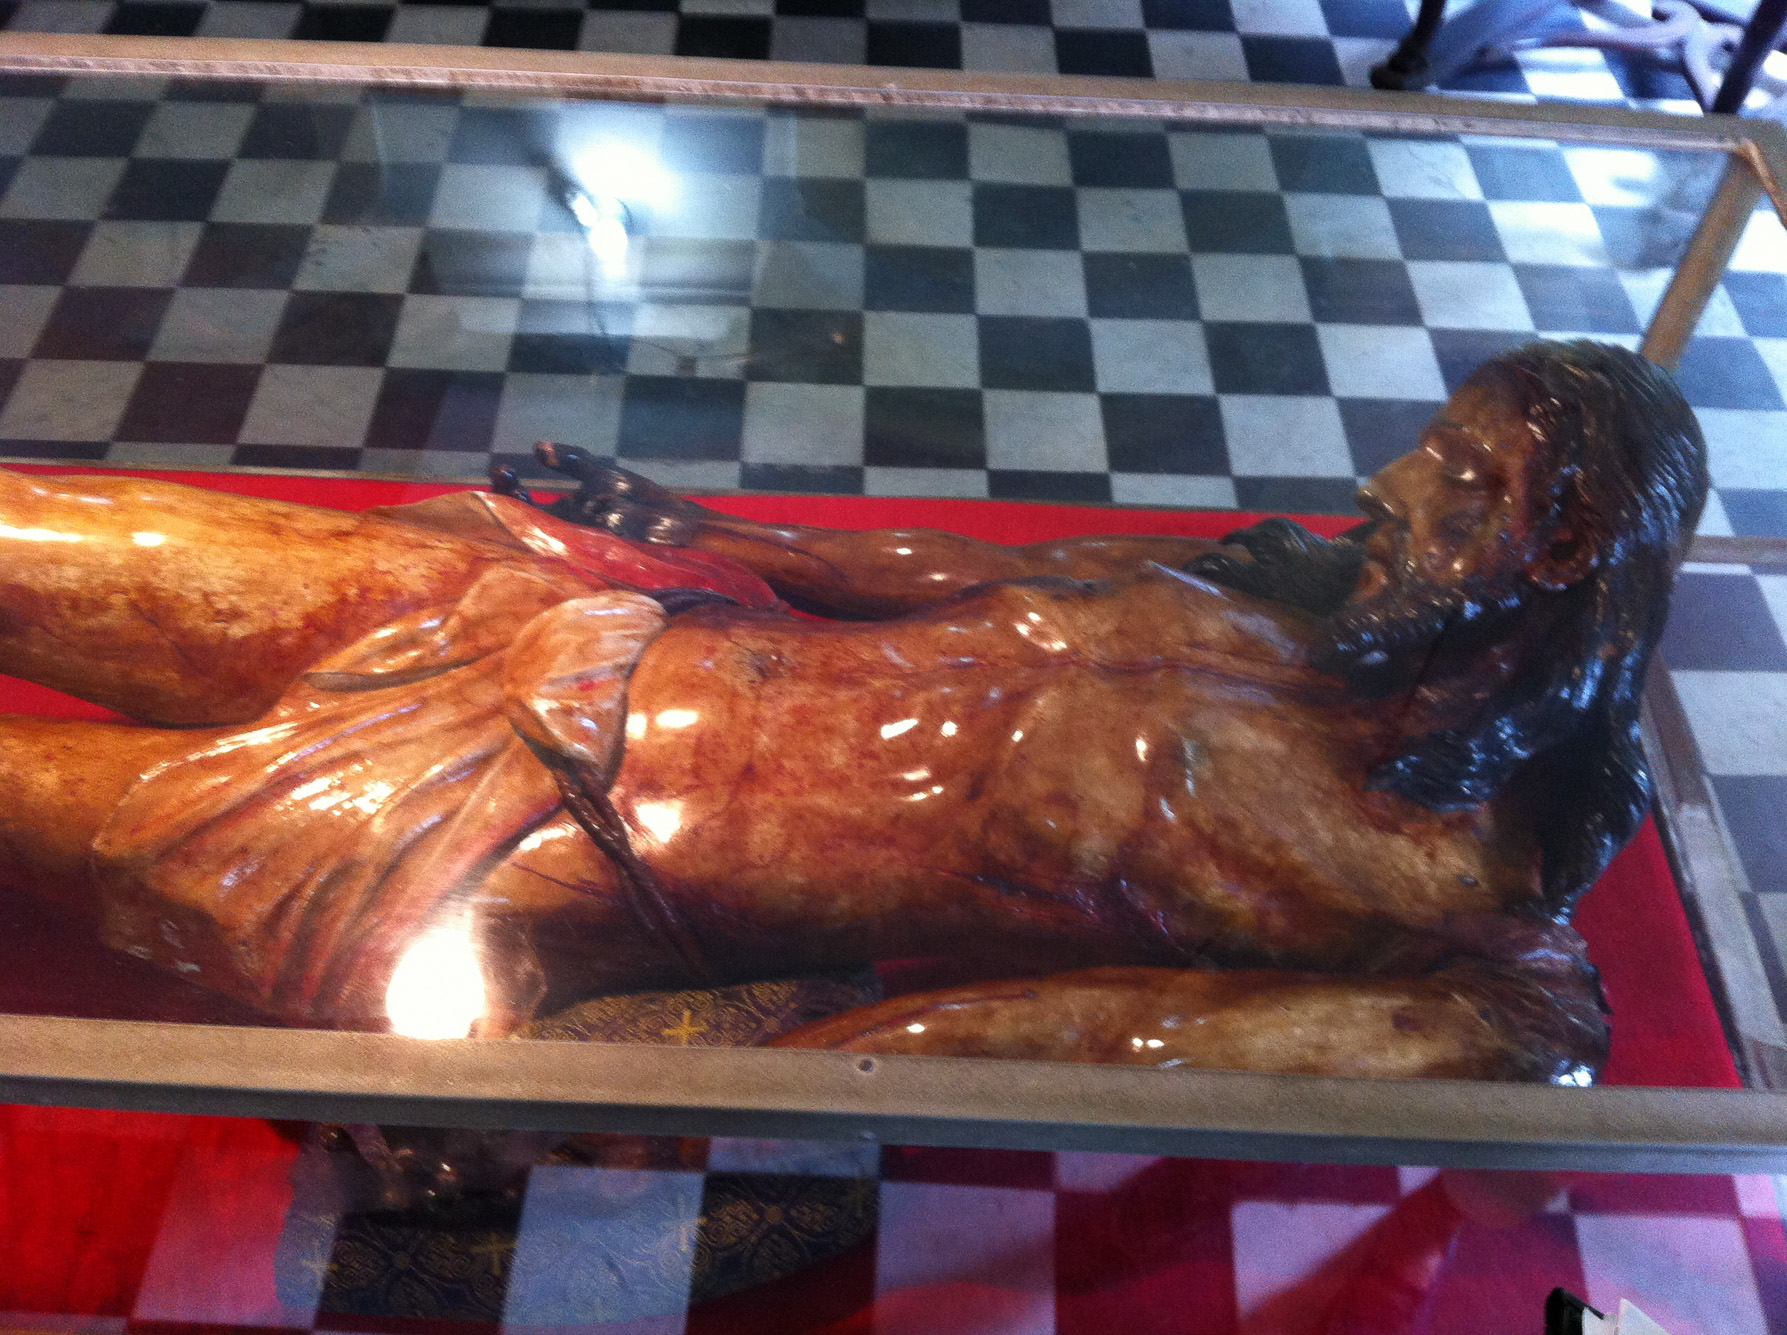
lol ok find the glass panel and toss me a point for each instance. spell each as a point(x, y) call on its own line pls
point(438, 832)
point(118, 1217)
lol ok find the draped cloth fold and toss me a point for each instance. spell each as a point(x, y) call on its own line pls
point(290, 863)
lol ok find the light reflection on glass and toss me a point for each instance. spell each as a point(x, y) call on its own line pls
point(437, 990)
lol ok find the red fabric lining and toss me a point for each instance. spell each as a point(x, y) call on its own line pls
point(1666, 1028)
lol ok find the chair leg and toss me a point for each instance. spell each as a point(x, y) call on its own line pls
point(1760, 35)
point(1408, 62)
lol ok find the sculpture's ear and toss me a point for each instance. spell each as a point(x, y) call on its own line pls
point(1570, 556)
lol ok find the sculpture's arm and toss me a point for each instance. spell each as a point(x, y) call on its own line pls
point(1469, 1021)
point(878, 573)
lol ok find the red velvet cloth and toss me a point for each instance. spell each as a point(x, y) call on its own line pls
point(1666, 1028)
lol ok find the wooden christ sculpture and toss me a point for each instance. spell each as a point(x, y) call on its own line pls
point(1277, 803)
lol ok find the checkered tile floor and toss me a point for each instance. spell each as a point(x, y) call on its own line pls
point(1003, 1243)
point(220, 276)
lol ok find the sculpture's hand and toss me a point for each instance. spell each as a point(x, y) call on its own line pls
point(608, 497)
point(1286, 563)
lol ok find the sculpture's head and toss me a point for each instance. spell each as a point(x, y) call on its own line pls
point(1563, 479)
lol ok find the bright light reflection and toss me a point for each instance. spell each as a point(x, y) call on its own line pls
point(677, 718)
point(1018, 736)
point(891, 730)
point(663, 819)
point(915, 1029)
point(148, 539)
point(949, 728)
point(636, 726)
point(625, 172)
point(37, 534)
point(438, 989)
point(1141, 749)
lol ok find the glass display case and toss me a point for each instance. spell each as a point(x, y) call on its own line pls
point(1025, 310)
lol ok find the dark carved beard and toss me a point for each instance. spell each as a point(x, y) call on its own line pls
point(1388, 642)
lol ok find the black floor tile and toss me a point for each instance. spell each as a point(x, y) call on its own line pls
point(914, 150)
point(61, 451)
point(1755, 809)
point(1366, 18)
point(246, 255)
point(1488, 76)
point(1164, 433)
point(187, 402)
point(344, 23)
point(1201, 15)
point(1381, 430)
point(802, 479)
point(534, 29)
point(310, 458)
point(1445, 229)
point(1107, 52)
point(499, 135)
point(1756, 514)
point(723, 37)
point(1726, 373)
point(810, 209)
point(167, 189)
point(681, 417)
point(923, 428)
point(820, 9)
point(336, 329)
point(103, 323)
point(915, 45)
point(1026, 217)
point(1308, 60)
point(436, 410)
point(91, 129)
point(1035, 352)
point(472, 264)
point(299, 130)
point(1360, 292)
point(1761, 301)
point(1139, 287)
point(1721, 623)
point(727, 144)
point(1035, 13)
point(808, 347)
point(568, 354)
point(1237, 222)
point(39, 250)
point(1296, 495)
point(1574, 299)
point(1119, 160)
point(1539, 175)
point(1461, 351)
point(1327, 164)
point(156, 18)
point(918, 278)
point(1266, 359)
point(1012, 484)
point(382, 194)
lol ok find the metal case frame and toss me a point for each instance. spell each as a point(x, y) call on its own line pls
point(370, 1078)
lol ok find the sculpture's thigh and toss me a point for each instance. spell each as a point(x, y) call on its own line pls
point(178, 605)
point(63, 779)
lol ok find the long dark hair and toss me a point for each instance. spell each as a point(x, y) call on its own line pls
point(1625, 469)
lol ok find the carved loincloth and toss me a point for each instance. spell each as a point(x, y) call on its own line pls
point(290, 863)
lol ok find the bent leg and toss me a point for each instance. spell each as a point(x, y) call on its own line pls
point(178, 605)
point(63, 779)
